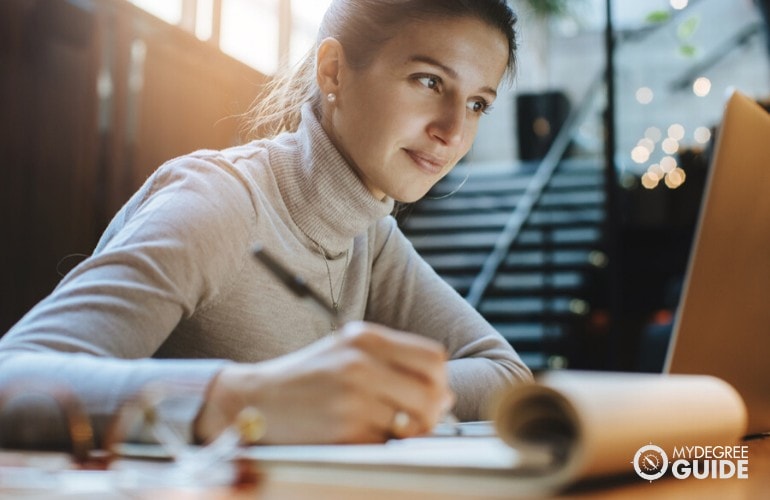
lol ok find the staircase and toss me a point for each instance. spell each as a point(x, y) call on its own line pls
point(543, 290)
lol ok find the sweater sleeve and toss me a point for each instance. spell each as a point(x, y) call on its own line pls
point(168, 252)
point(407, 294)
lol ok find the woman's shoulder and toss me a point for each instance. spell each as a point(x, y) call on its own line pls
point(232, 176)
point(233, 164)
point(206, 189)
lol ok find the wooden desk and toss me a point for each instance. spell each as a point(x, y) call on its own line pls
point(326, 484)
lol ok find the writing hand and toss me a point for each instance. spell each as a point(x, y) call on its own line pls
point(342, 389)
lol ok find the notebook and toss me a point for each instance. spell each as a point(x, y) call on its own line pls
point(723, 321)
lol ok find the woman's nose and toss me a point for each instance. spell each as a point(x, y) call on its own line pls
point(449, 126)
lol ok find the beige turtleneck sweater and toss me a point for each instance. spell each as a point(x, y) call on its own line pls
point(172, 290)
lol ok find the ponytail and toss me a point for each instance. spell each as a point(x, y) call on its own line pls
point(277, 108)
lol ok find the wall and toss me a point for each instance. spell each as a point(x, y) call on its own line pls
point(94, 95)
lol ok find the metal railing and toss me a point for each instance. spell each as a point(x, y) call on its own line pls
point(532, 194)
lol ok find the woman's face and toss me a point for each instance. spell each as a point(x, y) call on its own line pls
point(407, 118)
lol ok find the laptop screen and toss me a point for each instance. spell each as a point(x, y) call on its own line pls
point(723, 321)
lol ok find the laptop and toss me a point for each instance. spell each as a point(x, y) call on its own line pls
point(723, 321)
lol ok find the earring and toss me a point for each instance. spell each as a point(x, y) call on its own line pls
point(452, 192)
point(331, 97)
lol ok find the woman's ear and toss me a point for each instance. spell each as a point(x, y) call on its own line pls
point(330, 61)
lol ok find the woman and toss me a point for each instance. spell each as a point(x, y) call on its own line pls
point(387, 103)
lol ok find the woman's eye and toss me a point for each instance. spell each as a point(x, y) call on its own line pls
point(478, 106)
point(431, 82)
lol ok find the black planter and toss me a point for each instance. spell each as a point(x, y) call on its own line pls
point(539, 118)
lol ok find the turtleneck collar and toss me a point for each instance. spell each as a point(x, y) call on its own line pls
point(324, 195)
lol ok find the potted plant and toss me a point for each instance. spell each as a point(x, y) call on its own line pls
point(542, 111)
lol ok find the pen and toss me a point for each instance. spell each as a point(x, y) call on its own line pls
point(293, 282)
point(299, 286)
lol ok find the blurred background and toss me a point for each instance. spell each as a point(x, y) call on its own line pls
point(571, 234)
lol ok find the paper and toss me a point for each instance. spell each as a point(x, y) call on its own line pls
point(594, 422)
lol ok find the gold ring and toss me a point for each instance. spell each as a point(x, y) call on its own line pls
point(400, 422)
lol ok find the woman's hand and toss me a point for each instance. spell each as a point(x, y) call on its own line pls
point(346, 388)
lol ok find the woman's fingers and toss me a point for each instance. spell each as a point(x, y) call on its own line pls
point(367, 384)
point(420, 355)
point(406, 371)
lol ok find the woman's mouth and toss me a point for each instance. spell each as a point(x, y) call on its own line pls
point(427, 162)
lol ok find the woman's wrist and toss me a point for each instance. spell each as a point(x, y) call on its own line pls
point(222, 403)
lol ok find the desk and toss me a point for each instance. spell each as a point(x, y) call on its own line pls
point(325, 484)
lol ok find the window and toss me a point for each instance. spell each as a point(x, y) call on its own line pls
point(306, 16)
point(168, 10)
point(261, 33)
point(249, 32)
point(204, 19)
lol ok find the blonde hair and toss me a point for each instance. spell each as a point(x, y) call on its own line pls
point(361, 27)
point(277, 108)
